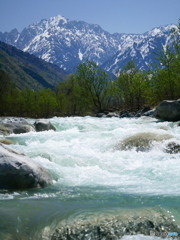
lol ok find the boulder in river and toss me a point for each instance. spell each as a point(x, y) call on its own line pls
point(17, 171)
point(173, 148)
point(43, 125)
point(14, 125)
point(115, 227)
point(142, 141)
point(168, 111)
point(6, 141)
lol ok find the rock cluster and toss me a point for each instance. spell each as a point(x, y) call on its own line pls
point(127, 114)
point(116, 227)
point(20, 125)
point(165, 111)
point(14, 125)
point(17, 171)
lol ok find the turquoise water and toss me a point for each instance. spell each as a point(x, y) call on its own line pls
point(91, 177)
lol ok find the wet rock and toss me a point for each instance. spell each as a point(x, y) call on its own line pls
point(127, 115)
point(5, 131)
point(149, 113)
point(112, 114)
point(14, 125)
point(6, 141)
point(101, 115)
point(116, 227)
point(18, 128)
point(43, 125)
point(142, 141)
point(168, 111)
point(173, 148)
point(17, 171)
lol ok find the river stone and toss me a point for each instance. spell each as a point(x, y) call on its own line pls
point(14, 125)
point(142, 141)
point(168, 111)
point(173, 148)
point(6, 141)
point(18, 128)
point(112, 114)
point(43, 125)
point(5, 131)
point(17, 171)
point(115, 227)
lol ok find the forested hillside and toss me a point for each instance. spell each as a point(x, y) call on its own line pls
point(89, 89)
point(28, 71)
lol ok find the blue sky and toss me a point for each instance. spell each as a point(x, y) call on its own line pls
point(122, 16)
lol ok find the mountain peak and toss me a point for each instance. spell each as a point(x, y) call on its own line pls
point(67, 43)
point(57, 19)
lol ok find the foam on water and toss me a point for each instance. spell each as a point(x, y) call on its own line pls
point(90, 175)
point(141, 237)
point(81, 153)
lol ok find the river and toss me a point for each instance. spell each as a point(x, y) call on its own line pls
point(92, 179)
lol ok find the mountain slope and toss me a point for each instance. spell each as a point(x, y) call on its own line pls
point(140, 48)
point(28, 71)
point(67, 43)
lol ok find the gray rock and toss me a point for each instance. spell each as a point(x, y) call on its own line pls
point(101, 115)
point(168, 111)
point(17, 171)
point(173, 148)
point(14, 125)
point(113, 228)
point(43, 125)
point(149, 113)
point(5, 131)
point(18, 128)
point(127, 115)
point(142, 141)
point(112, 114)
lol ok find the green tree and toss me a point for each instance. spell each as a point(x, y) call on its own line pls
point(132, 87)
point(46, 103)
point(68, 96)
point(94, 86)
point(6, 86)
point(166, 77)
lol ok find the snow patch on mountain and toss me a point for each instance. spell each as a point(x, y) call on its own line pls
point(67, 43)
point(80, 55)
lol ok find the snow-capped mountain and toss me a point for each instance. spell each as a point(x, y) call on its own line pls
point(141, 48)
point(66, 43)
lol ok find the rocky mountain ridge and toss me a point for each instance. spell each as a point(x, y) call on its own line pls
point(66, 43)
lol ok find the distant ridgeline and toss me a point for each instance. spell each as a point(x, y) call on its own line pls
point(67, 43)
point(27, 70)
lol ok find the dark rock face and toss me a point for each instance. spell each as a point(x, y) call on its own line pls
point(17, 171)
point(168, 111)
point(43, 125)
